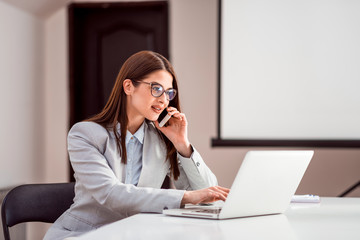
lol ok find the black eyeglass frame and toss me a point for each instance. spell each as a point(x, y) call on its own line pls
point(162, 92)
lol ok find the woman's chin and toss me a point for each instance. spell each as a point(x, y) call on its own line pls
point(152, 118)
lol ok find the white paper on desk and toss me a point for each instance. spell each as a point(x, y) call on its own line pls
point(305, 199)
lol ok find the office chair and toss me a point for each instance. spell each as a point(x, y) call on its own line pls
point(35, 203)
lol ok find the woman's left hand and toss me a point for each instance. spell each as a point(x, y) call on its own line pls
point(176, 131)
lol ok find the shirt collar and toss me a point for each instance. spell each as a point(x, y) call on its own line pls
point(139, 134)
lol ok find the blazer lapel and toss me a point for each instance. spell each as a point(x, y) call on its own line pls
point(154, 164)
point(119, 168)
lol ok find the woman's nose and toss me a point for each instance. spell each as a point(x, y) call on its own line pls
point(163, 98)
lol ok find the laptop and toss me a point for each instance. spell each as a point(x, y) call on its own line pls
point(264, 184)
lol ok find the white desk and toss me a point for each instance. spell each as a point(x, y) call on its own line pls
point(333, 218)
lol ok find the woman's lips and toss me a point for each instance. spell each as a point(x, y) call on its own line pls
point(156, 109)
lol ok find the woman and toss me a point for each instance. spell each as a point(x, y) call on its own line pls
point(121, 156)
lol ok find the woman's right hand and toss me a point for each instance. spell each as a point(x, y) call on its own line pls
point(206, 195)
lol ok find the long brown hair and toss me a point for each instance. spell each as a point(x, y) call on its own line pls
point(136, 68)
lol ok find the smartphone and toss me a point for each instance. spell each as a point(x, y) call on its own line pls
point(163, 118)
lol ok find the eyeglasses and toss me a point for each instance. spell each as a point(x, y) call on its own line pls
point(157, 90)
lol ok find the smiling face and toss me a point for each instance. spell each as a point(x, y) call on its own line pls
point(140, 103)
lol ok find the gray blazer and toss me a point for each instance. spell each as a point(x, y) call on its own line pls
point(101, 197)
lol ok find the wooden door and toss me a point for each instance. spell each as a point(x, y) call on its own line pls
point(101, 37)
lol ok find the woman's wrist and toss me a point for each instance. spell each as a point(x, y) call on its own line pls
point(185, 199)
point(184, 149)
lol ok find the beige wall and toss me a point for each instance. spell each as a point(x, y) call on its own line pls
point(33, 97)
point(21, 101)
point(21, 97)
point(56, 97)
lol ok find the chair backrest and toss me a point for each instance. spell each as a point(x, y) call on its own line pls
point(35, 203)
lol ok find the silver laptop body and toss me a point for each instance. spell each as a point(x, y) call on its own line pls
point(264, 184)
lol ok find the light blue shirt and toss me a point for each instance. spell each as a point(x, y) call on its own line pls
point(134, 150)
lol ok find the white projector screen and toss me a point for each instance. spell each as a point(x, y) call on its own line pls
point(290, 70)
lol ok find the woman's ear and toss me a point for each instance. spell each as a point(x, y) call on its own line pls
point(128, 86)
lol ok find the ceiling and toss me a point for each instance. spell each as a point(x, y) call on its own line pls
point(41, 8)
point(45, 8)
